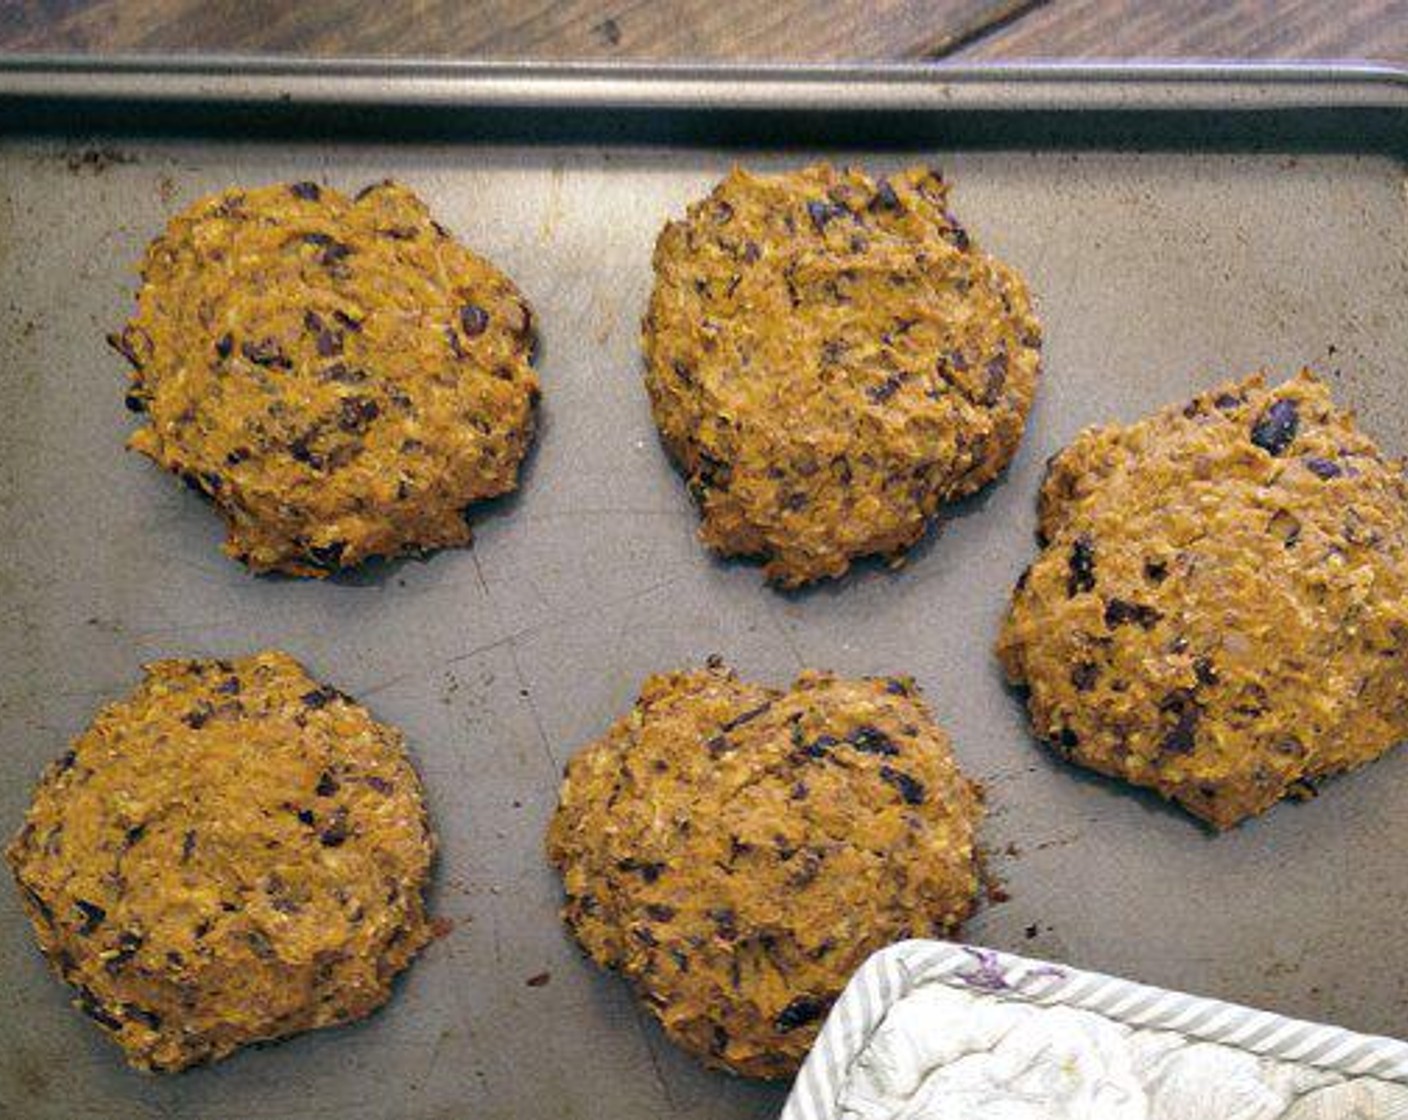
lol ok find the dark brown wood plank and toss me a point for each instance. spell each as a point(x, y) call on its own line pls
point(590, 29)
point(786, 30)
point(1270, 29)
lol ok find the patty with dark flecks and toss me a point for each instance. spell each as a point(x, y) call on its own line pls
point(340, 376)
point(830, 359)
point(737, 851)
point(232, 854)
point(1220, 608)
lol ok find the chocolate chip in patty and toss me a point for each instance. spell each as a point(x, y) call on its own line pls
point(1081, 567)
point(823, 212)
point(89, 1004)
point(128, 943)
point(1179, 738)
point(197, 718)
point(474, 320)
point(267, 353)
point(327, 340)
point(309, 192)
point(885, 197)
point(745, 717)
point(327, 555)
point(93, 915)
point(301, 452)
point(886, 389)
point(1322, 468)
point(871, 740)
point(336, 831)
point(142, 1015)
point(956, 235)
point(798, 1013)
point(996, 373)
point(132, 343)
point(1084, 676)
point(1120, 611)
point(818, 747)
point(357, 413)
point(1275, 429)
point(910, 788)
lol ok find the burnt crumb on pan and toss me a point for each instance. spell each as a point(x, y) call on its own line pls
point(608, 32)
point(95, 161)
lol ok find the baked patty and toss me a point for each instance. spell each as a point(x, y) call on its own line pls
point(339, 376)
point(737, 851)
point(1220, 608)
point(830, 358)
point(233, 853)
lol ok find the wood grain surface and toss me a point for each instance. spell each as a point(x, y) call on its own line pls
point(791, 30)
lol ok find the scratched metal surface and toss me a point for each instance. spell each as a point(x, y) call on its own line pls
point(1158, 271)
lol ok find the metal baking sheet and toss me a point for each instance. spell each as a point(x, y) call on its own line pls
point(1177, 227)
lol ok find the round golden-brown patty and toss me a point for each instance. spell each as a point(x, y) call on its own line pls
point(829, 359)
point(340, 376)
point(737, 851)
point(234, 853)
point(1220, 608)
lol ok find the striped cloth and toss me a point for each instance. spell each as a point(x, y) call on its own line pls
point(895, 972)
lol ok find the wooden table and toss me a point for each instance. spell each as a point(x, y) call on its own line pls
point(793, 30)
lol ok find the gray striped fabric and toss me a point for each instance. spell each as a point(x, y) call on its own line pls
point(894, 972)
